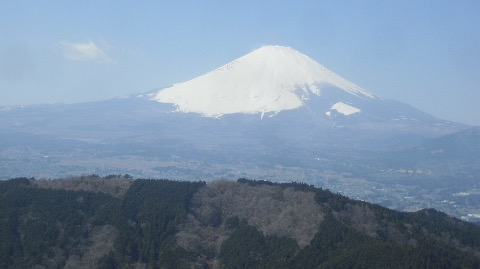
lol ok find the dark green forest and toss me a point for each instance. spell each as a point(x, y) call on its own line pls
point(79, 227)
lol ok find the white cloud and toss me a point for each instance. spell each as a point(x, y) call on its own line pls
point(88, 51)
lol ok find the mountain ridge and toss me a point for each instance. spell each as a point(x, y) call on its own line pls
point(118, 222)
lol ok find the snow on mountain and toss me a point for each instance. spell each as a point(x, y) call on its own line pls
point(343, 108)
point(268, 80)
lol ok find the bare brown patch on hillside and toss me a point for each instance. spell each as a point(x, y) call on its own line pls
point(99, 242)
point(273, 210)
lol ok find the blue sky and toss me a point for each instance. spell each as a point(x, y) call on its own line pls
point(424, 53)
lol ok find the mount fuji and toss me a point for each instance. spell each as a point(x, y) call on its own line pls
point(274, 99)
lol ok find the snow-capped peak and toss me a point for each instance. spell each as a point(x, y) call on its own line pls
point(267, 80)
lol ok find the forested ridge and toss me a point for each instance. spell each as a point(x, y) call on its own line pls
point(118, 222)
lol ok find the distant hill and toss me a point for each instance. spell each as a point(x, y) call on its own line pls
point(464, 145)
point(118, 222)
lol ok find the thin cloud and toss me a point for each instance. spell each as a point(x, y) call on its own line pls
point(87, 52)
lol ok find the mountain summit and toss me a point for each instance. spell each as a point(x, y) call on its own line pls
point(268, 80)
